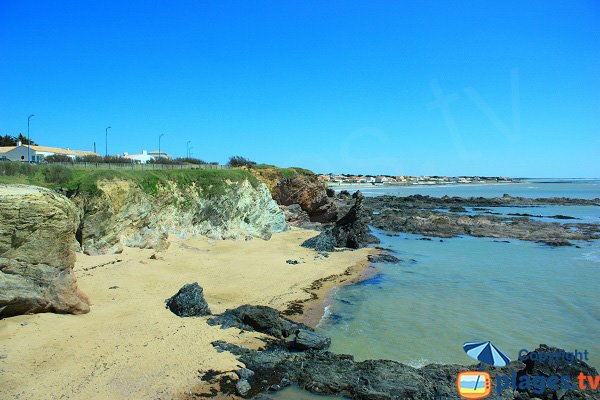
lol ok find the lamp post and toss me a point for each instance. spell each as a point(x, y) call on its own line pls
point(161, 135)
point(28, 140)
point(187, 148)
point(106, 140)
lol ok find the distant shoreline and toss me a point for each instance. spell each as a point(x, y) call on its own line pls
point(406, 185)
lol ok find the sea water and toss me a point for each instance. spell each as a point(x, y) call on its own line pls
point(445, 292)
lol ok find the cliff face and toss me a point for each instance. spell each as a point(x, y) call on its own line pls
point(37, 252)
point(122, 214)
point(303, 189)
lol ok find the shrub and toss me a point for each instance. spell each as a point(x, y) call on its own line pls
point(239, 161)
point(190, 160)
point(58, 174)
point(58, 158)
point(13, 168)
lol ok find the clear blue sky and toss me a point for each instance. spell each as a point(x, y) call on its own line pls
point(398, 87)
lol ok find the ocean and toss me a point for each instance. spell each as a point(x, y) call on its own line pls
point(446, 292)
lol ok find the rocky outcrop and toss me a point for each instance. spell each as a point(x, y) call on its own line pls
point(37, 252)
point(419, 215)
point(267, 320)
point(307, 191)
point(323, 372)
point(122, 214)
point(421, 201)
point(296, 216)
point(351, 231)
point(188, 302)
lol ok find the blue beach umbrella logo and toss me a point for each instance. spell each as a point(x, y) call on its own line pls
point(486, 353)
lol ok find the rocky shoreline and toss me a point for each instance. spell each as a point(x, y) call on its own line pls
point(295, 354)
point(422, 215)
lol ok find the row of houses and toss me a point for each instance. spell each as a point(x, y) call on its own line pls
point(336, 179)
point(22, 152)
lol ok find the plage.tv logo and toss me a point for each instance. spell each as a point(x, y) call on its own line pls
point(474, 384)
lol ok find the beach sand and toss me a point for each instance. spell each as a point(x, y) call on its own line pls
point(130, 346)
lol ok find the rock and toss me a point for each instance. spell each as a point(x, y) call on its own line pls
point(457, 209)
point(113, 287)
point(322, 242)
point(417, 215)
point(556, 242)
point(352, 230)
point(188, 302)
point(37, 252)
point(304, 339)
point(257, 318)
point(383, 258)
point(242, 387)
point(121, 214)
point(244, 373)
point(323, 372)
point(307, 191)
point(330, 192)
point(293, 262)
point(295, 215)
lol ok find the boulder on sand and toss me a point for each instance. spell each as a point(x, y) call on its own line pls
point(188, 302)
point(37, 252)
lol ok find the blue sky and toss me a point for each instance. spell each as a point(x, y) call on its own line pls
point(399, 87)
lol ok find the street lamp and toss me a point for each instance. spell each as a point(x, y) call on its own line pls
point(106, 140)
point(187, 148)
point(161, 135)
point(28, 140)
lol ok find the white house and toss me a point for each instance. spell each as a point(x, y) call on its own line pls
point(38, 153)
point(146, 156)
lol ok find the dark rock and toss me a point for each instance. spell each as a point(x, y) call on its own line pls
point(113, 287)
point(242, 387)
point(416, 214)
point(188, 302)
point(323, 372)
point(330, 192)
point(153, 257)
point(562, 217)
point(304, 339)
point(295, 215)
point(556, 242)
point(293, 262)
point(383, 258)
point(352, 230)
point(244, 373)
point(257, 318)
point(344, 194)
point(322, 242)
point(457, 209)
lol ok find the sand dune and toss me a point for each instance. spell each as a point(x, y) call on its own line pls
point(130, 346)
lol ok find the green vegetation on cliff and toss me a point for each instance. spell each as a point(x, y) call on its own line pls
point(84, 180)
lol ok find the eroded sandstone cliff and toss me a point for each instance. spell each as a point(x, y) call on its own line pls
point(37, 252)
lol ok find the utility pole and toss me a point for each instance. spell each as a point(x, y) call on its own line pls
point(187, 148)
point(106, 141)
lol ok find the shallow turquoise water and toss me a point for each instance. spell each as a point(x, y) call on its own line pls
point(516, 294)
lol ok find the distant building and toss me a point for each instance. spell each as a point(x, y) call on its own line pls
point(146, 156)
point(38, 153)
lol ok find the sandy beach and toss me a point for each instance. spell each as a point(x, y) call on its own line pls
point(130, 346)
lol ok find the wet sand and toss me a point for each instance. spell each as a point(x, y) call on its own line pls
point(130, 346)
